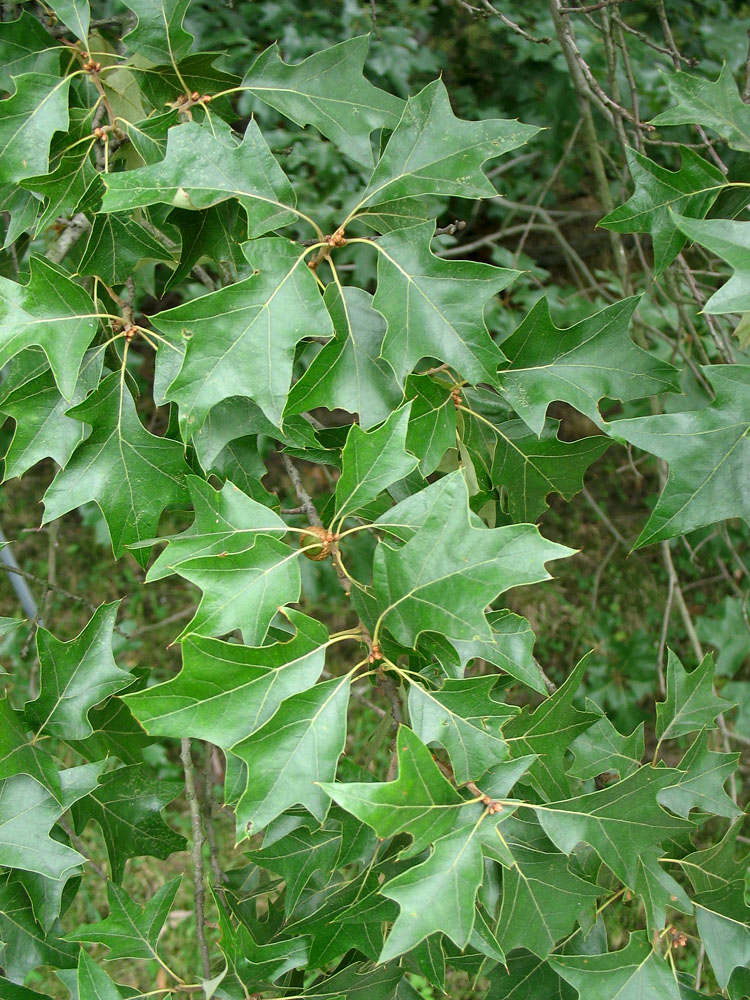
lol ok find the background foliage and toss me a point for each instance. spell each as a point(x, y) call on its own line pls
point(247, 292)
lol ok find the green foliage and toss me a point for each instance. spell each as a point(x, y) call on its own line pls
point(187, 331)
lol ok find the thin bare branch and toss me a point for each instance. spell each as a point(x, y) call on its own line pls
point(199, 888)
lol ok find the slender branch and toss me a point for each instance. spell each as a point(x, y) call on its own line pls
point(592, 7)
point(24, 595)
point(67, 239)
point(664, 629)
point(493, 12)
point(207, 803)
point(55, 589)
point(302, 495)
point(652, 44)
point(584, 94)
point(603, 518)
point(199, 889)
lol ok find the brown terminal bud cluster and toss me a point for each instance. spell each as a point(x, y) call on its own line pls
point(493, 806)
point(679, 939)
point(337, 239)
point(92, 67)
point(456, 394)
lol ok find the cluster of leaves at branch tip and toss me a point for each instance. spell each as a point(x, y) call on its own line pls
point(488, 844)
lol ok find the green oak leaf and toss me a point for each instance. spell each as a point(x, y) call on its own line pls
point(701, 786)
point(431, 152)
point(729, 240)
point(463, 717)
point(716, 104)
point(527, 977)
point(12, 991)
point(20, 211)
point(327, 90)
point(541, 901)
point(205, 234)
point(707, 451)
point(446, 575)
point(358, 982)
point(371, 461)
point(34, 402)
point(659, 192)
point(28, 119)
point(200, 170)
point(499, 781)
point(436, 895)
point(47, 895)
point(116, 246)
point(348, 373)
point(233, 418)
point(164, 84)
point(26, 48)
point(149, 136)
point(225, 520)
point(620, 821)
point(77, 782)
point(18, 755)
point(28, 811)
point(241, 339)
point(252, 964)
point(723, 919)
point(93, 982)
point(130, 930)
point(75, 676)
point(240, 462)
point(130, 473)
point(75, 14)
point(632, 973)
point(291, 757)
point(432, 422)
point(434, 308)
point(24, 945)
point(116, 731)
point(510, 649)
point(690, 702)
point(243, 589)
point(410, 514)
point(51, 312)
point(390, 215)
point(738, 987)
point(593, 359)
point(419, 801)
point(159, 34)
point(602, 749)
point(717, 865)
point(350, 915)
point(297, 857)
point(127, 804)
point(548, 730)
point(226, 691)
point(430, 958)
point(64, 188)
point(658, 892)
point(530, 467)
point(7, 625)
